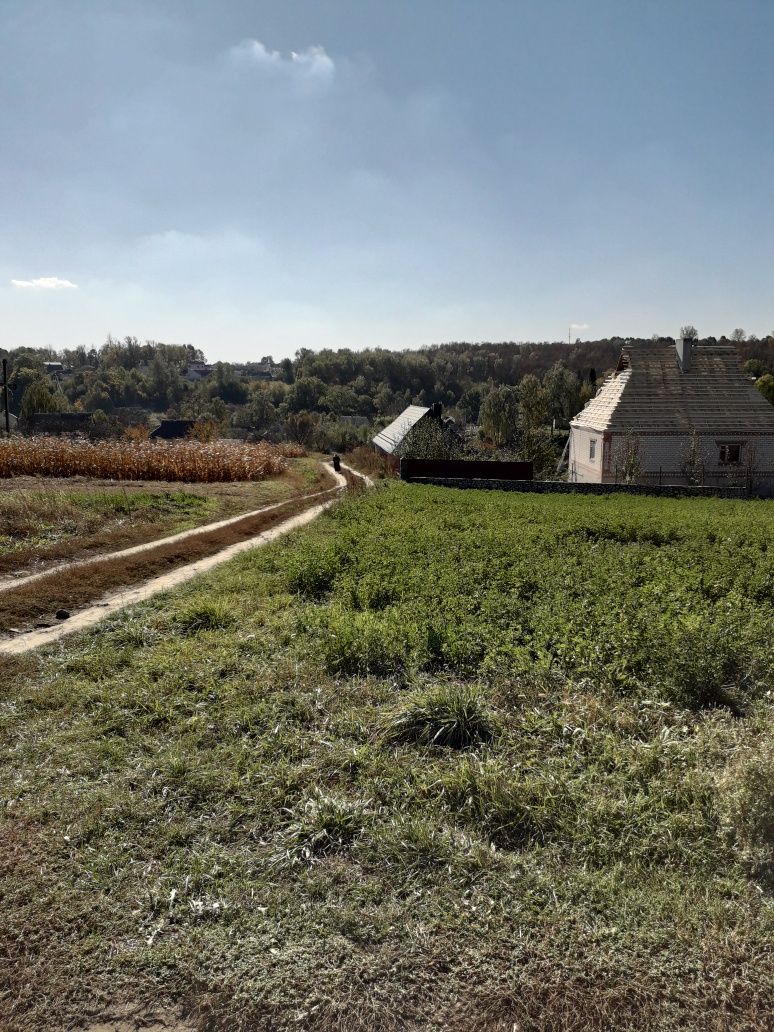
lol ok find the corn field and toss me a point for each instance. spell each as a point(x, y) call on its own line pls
point(189, 460)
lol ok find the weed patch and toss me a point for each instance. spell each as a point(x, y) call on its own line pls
point(450, 716)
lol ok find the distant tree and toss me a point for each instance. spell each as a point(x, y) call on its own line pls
point(689, 332)
point(562, 390)
point(341, 401)
point(39, 397)
point(301, 427)
point(754, 367)
point(470, 404)
point(738, 335)
point(533, 403)
point(228, 386)
point(305, 394)
point(499, 416)
point(260, 413)
point(765, 384)
point(536, 447)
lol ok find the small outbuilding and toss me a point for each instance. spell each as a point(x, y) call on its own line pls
point(173, 429)
point(675, 414)
point(388, 441)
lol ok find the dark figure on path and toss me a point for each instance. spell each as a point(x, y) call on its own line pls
point(337, 463)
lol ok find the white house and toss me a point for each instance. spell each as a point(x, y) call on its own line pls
point(675, 415)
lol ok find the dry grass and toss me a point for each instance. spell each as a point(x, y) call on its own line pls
point(371, 462)
point(291, 450)
point(189, 460)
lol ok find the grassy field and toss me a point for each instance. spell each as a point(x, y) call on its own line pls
point(444, 760)
point(55, 518)
point(34, 519)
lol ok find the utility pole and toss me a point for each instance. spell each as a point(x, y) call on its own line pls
point(5, 398)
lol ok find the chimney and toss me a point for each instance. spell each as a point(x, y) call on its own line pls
point(683, 348)
point(436, 410)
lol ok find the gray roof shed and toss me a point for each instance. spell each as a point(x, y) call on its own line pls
point(390, 438)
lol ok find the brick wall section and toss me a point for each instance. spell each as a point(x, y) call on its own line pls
point(563, 487)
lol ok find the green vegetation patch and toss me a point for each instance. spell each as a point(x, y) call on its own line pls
point(443, 760)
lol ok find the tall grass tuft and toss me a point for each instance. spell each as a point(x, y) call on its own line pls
point(747, 808)
point(320, 825)
point(205, 616)
point(450, 715)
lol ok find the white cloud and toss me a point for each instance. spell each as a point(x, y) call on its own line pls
point(313, 61)
point(44, 283)
point(252, 51)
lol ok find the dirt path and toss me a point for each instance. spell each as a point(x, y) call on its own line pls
point(12, 583)
point(355, 473)
point(127, 596)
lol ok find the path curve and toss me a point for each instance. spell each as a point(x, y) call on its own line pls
point(141, 592)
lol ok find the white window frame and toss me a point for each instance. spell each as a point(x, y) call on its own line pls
point(593, 450)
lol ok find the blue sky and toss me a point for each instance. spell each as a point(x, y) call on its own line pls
point(253, 177)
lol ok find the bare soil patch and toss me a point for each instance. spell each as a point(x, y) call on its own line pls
point(131, 1018)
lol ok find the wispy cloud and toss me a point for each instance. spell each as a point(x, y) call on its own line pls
point(313, 61)
point(44, 283)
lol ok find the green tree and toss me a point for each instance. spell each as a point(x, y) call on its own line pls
point(562, 389)
point(39, 397)
point(499, 416)
point(537, 447)
point(305, 394)
point(765, 384)
point(430, 439)
point(533, 404)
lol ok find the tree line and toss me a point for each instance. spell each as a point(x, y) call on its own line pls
point(507, 389)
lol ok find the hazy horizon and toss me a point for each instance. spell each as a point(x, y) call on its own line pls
point(256, 177)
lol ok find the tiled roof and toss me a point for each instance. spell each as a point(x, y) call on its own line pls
point(392, 435)
point(649, 392)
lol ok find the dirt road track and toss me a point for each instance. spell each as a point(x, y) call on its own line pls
point(139, 593)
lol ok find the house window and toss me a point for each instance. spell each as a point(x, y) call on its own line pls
point(592, 449)
point(730, 454)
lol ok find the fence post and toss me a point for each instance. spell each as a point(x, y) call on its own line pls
point(5, 398)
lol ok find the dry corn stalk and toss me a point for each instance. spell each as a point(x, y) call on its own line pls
point(190, 461)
